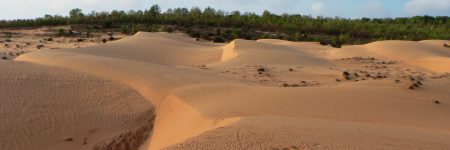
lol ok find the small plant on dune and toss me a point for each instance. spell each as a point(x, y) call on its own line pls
point(261, 70)
point(68, 139)
point(4, 57)
point(39, 46)
point(437, 102)
point(336, 42)
point(447, 45)
point(104, 40)
point(346, 75)
point(8, 35)
point(8, 40)
point(61, 32)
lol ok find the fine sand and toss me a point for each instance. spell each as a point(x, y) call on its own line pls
point(265, 94)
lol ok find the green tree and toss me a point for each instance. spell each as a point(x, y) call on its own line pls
point(76, 13)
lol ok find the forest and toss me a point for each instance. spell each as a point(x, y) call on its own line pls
point(223, 26)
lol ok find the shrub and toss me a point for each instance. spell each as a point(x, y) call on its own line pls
point(261, 70)
point(8, 35)
point(126, 30)
point(39, 46)
point(61, 32)
point(107, 24)
point(346, 75)
point(336, 42)
point(218, 39)
point(167, 29)
point(153, 28)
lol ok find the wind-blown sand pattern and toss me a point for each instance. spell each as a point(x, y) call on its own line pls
point(54, 108)
point(265, 94)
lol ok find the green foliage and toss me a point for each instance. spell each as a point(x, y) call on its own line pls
point(61, 32)
point(219, 39)
point(155, 10)
point(295, 27)
point(126, 29)
point(167, 29)
point(76, 13)
point(336, 42)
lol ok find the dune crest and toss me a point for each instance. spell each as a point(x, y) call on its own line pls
point(228, 51)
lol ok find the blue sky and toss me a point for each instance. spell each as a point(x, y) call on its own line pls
point(12, 9)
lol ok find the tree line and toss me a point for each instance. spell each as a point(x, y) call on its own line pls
point(222, 25)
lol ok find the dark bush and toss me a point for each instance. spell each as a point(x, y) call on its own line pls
point(39, 46)
point(261, 70)
point(61, 32)
point(218, 39)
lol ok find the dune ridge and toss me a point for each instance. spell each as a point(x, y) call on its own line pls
point(272, 94)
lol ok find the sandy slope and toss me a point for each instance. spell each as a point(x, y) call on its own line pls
point(272, 94)
point(53, 108)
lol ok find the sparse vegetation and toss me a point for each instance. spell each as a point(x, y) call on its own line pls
point(346, 75)
point(39, 46)
point(68, 139)
point(261, 70)
point(4, 57)
point(446, 45)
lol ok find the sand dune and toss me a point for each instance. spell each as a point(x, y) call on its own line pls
point(425, 54)
point(53, 108)
point(273, 94)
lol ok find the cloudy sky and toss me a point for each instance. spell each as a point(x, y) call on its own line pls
point(12, 9)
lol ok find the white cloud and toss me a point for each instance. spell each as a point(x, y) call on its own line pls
point(421, 7)
point(316, 8)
